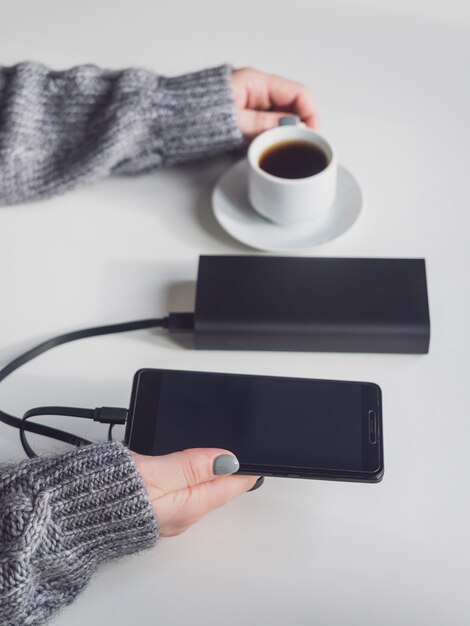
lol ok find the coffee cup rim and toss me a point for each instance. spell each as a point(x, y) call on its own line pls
point(288, 130)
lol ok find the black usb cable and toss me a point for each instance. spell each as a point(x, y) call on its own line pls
point(175, 322)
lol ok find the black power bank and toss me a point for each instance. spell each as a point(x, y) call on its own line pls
point(312, 304)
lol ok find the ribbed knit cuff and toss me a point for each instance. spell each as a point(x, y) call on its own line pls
point(59, 518)
point(97, 502)
point(196, 115)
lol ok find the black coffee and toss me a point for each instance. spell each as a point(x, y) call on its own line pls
point(293, 159)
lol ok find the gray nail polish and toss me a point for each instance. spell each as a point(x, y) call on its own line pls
point(289, 120)
point(226, 464)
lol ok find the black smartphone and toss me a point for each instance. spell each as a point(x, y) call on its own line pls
point(276, 426)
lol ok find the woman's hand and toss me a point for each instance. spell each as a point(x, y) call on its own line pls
point(184, 486)
point(262, 99)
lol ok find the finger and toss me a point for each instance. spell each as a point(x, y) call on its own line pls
point(252, 123)
point(179, 470)
point(257, 91)
point(293, 97)
point(178, 510)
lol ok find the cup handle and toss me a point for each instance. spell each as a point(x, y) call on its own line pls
point(291, 120)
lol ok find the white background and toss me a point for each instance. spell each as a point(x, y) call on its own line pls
point(391, 81)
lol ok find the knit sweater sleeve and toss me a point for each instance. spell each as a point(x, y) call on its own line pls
point(59, 129)
point(59, 518)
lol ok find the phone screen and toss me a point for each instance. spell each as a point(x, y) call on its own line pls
point(266, 421)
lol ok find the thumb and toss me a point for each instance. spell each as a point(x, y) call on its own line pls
point(253, 123)
point(184, 486)
point(179, 470)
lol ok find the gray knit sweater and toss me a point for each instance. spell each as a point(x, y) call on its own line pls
point(60, 517)
point(61, 129)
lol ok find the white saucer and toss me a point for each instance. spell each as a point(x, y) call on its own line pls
point(233, 211)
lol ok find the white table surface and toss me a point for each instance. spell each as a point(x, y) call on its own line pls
point(392, 88)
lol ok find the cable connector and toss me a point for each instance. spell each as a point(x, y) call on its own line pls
point(110, 415)
point(180, 323)
point(106, 415)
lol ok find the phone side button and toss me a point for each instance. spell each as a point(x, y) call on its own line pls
point(372, 427)
point(293, 475)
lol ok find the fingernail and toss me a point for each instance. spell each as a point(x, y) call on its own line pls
point(226, 464)
point(289, 120)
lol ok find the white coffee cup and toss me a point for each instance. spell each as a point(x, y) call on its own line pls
point(289, 201)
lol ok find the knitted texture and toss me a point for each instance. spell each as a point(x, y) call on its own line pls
point(62, 129)
point(59, 518)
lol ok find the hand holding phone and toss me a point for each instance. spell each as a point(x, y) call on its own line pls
point(184, 486)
